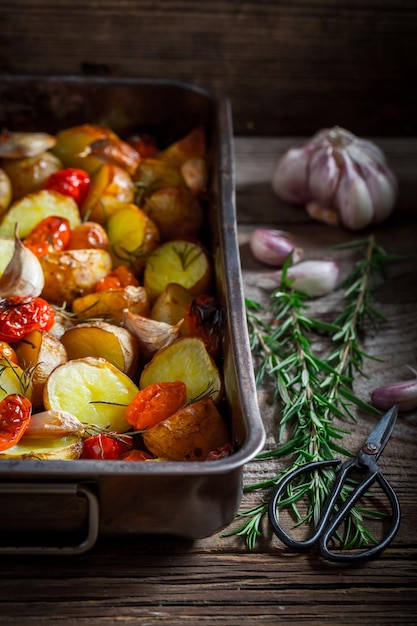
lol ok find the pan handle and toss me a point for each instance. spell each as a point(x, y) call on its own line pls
point(59, 489)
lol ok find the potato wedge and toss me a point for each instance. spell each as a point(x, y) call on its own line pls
point(104, 396)
point(185, 359)
point(14, 379)
point(100, 339)
point(111, 303)
point(176, 212)
point(191, 145)
point(108, 183)
point(188, 435)
point(43, 352)
point(63, 449)
point(183, 262)
point(132, 237)
point(171, 304)
point(34, 207)
point(70, 274)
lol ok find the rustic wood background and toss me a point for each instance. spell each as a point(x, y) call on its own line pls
point(288, 66)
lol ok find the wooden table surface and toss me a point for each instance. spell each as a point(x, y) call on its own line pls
point(155, 580)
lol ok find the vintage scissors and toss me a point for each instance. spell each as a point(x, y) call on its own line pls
point(333, 513)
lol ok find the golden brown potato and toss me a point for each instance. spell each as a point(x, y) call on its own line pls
point(31, 173)
point(110, 304)
point(106, 392)
point(185, 359)
point(6, 191)
point(180, 261)
point(100, 339)
point(132, 235)
point(42, 352)
point(14, 379)
point(73, 273)
point(33, 208)
point(171, 304)
point(63, 448)
point(191, 145)
point(188, 435)
point(176, 212)
point(153, 174)
point(72, 145)
point(108, 184)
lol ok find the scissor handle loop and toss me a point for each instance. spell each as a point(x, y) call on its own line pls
point(272, 509)
point(326, 527)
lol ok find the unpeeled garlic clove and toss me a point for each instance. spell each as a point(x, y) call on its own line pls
point(353, 198)
point(23, 276)
point(314, 278)
point(403, 394)
point(151, 335)
point(290, 180)
point(53, 424)
point(21, 145)
point(272, 247)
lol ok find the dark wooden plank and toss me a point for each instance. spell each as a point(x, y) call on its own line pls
point(289, 67)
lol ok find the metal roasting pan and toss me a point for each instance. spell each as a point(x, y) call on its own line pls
point(61, 507)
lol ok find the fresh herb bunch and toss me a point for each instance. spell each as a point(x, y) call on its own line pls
point(312, 390)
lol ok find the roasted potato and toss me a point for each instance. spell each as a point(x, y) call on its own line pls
point(190, 146)
point(100, 339)
point(62, 448)
point(33, 208)
point(6, 192)
point(171, 304)
point(179, 261)
point(42, 353)
point(132, 235)
point(188, 435)
point(176, 212)
point(106, 392)
point(72, 145)
point(73, 273)
point(185, 359)
point(14, 379)
point(108, 184)
point(110, 304)
point(31, 173)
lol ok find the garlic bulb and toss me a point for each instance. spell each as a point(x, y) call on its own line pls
point(272, 247)
point(23, 276)
point(340, 178)
point(314, 278)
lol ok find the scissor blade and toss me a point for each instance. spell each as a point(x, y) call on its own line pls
point(380, 435)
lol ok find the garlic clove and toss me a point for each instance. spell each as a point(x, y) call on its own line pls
point(53, 423)
point(353, 199)
point(314, 278)
point(403, 394)
point(23, 276)
point(290, 178)
point(272, 248)
point(151, 334)
point(324, 176)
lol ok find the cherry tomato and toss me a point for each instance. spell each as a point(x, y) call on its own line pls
point(204, 319)
point(88, 235)
point(15, 412)
point(70, 182)
point(156, 402)
point(109, 446)
point(50, 235)
point(116, 279)
point(20, 315)
point(137, 455)
point(144, 144)
point(8, 353)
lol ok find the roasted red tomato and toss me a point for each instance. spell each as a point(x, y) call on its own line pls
point(118, 278)
point(70, 182)
point(108, 446)
point(220, 453)
point(50, 235)
point(20, 315)
point(204, 319)
point(144, 144)
point(15, 412)
point(137, 455)
point(156, 402)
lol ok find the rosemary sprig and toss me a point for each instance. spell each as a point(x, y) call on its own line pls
point(312, 390)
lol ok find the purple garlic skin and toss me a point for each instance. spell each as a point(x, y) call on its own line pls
point(271, 247)
point(340, 173)
point(403, 394)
